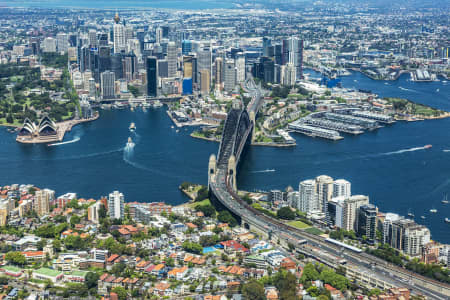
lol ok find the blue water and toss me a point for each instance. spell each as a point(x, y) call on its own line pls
point(389, 164)
point(118, 4)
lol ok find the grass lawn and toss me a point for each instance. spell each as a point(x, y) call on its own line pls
point(298, 224)
point(203, 202)
point(314, 231)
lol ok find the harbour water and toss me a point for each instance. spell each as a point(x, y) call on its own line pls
point(390, 164)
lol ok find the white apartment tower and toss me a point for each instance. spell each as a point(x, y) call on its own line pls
point(307, 196)
point(342, 188)
point(116, 205)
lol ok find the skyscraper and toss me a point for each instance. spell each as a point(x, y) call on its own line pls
point(324, 186)
point(62, 42)
point(204, 60)
point(240, 67)
point(205, 81)
point(186, 47)
point(152, 77)
point(172, 59)
point(108, 79)
point(367, 222)
point(342, 188)
point(116, 205)
point(229, 76)
point(119, 35)
point(219, 72)
point(308, 197)
point(92, 35)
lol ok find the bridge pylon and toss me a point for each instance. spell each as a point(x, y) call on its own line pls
point(231, 172)
point(253, 121)
point(212, 166)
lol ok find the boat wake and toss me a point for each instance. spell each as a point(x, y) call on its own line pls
point(446, 150)
point(264, 171)
point(76, 139)
point(404, 150)
point(405, 89)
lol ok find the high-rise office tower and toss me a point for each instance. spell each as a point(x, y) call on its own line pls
point(307, 196)
point(367, 222)
point(190, 67)
point(103, 39)
point(163, 68)
point(152, 77)
point(229, 76)
point(278, 54)
point(269, 70)
point(159, 35)
point(172, 59)
point(293, 53)
point(324, 185)
point(62, 41)
point(108, 79)
point(266, 44)
point(129, 33)
point(119, 35)
point(204, 60)
point(205, 81)
point(49, 45)
point(342, 188)
point(240, 67)
point(92, 35)
point(116, 65)
point(218, 63)
point(116, 205)
point(104, 58)
point(186, 47)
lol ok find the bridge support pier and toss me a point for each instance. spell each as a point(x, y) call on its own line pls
point(212, 166)
point(232, 171)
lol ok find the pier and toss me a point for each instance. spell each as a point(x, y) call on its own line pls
point(332, 125)
point(315, 131)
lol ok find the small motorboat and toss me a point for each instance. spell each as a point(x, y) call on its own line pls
point(132, 127)
point(427, 146)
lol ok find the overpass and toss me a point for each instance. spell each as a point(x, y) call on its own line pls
point(222, 170)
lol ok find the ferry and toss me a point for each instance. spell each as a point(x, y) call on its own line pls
point(447, 220)
point(410, 214)
point(433, 210)
point(445, 201)
point(427, 146)
point(132, 127)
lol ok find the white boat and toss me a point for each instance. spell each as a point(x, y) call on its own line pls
point(433, 210)
point(447, 220)
point(146, 105)
point(445, 200)
point(132, 127)
point(157, 104)
point(423, 217)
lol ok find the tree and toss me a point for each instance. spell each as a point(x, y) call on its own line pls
point(192, 247)
point(286, 283)
point(91, 280)
point(56, 245)
point(74, 220)
point(202, 194)
point(247, 199)
point(225, 217)
point(16, 258)
point(253, 290)
point(286, 213)
point(208, 210)
point(121, 292)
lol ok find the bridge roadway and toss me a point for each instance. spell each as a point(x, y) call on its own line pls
point(221, 185)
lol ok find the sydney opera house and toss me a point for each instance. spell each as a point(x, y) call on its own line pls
point(46, 130)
